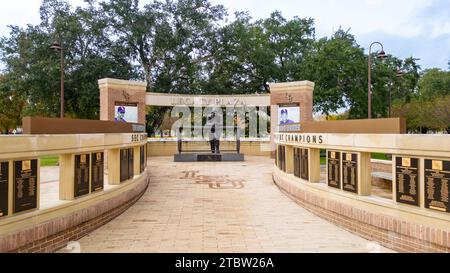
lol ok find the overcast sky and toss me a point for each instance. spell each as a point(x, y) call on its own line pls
point(419, 28)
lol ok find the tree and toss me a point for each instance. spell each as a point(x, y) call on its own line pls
point(434, 83)
point(248, 54)
point(33, 68)
point(11, 106)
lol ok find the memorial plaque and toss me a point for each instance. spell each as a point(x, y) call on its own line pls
point(304, 164)
point(130, 163)
point(25, 185)
point(282, 157)
point(81, 175)
point(437, 175)
point(4, 186)
point(407, 180)
point(334, 169)
point(143, 158)
point(350, 172)
point(97, 173)
point(297, 160)
point(124, 170)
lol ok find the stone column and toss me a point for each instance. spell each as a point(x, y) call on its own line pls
point(289, 159)
point(137, 160)
point(365, 174)
point(314, 165)
point(66, 176)
point(300, 93)
point(113, 166)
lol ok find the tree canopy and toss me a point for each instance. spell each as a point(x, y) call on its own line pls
point(193, 46)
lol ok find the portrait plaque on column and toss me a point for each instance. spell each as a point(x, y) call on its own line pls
point(437, 175)
point(97, 171)
point(81, 175)
point(124, 170)
point(25, 185)
point(334, 169)
point(4, 186)
point(407, 180)
point(304, 164)
point(350, 172)
point(130, 163)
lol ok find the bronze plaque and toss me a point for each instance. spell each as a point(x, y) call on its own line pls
point(124, 170)
point(143, 158)
point(297, 160)
point(304, 164)
point(25, 185)
point(282, 158)
point(81, 183)
point(407, 180)
point(130, 163)
point(437, 175)
point(334, 169)
point(350, 172)
point(97, 171)
point(4, 186)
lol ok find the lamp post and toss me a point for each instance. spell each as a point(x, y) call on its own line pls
point(57, 47)
point(399, 74)
point(381, 55)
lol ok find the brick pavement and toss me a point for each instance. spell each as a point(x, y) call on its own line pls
point(219, 207)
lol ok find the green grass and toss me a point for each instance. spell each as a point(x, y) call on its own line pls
point(323, 160)
point(380, 156)
point(47, 161)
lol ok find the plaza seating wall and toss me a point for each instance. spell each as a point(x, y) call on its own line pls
point(415, 219)
point(97, 182)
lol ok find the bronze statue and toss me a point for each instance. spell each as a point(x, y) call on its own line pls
point(214, 135)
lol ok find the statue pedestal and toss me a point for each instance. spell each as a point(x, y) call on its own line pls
point(205, 157)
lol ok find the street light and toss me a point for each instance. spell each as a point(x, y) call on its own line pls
point(399, 74)
point(381, 55)
point(57, 47)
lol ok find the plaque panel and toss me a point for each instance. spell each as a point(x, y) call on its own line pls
point(437, 175)
point(407, 180)
point(4, 187)
point(350, 172)
point(25, 185)
point(334, 169)
point(297, 161)
point(97, 171)
point(142, 158)
point(304, 164)
point(282, 158)
point(124, 170)
point(81, 175)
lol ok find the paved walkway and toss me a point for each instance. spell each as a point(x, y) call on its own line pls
point(219, 207)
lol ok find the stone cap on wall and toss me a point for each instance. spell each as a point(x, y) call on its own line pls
point(291, 86)
point(121, 83)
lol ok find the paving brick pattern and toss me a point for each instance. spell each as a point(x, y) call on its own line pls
point(219, 207)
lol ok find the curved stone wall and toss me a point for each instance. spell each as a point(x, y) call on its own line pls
point(70, 223)
point(414, 217)
point(398, 230)
point(49, 225)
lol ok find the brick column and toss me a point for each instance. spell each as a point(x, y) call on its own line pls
point(290, 93)
point(114, 91)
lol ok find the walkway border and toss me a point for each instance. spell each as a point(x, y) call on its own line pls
point(394, 232)
point(84, 217)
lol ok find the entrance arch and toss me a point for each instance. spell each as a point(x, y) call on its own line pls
point(115, 93)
